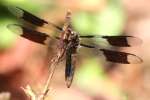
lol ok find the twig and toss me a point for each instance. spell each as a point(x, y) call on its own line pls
point(29, 91)
point(50, 76)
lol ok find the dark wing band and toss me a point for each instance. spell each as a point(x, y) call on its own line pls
point(28, 17)
point(118, 41)
point(29, 34)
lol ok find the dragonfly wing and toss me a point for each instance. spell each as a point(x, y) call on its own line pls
point(29, 34)
point(118, 41)
point(122, 41)
point(121, 57)
point(117, 56)
point(28, 17)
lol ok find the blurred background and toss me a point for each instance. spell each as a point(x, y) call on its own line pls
point(23, 62)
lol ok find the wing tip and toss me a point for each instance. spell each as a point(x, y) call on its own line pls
point(16, 11)
point(135, 41)
point(14, 28)
point(121, 57)
point(134, 59)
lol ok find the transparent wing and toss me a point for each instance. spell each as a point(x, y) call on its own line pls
point(28, 17)
point(29, 34)
point(117, 56)
point(121, 57)
point(118, 41)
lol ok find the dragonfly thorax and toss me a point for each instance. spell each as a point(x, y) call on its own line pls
point(72, 41)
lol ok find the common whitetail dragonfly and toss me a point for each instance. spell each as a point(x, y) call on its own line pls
point(69, 41)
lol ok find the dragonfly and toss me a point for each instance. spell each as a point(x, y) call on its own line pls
point(69, 41)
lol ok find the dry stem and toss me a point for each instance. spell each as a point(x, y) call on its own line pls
point(29, 91)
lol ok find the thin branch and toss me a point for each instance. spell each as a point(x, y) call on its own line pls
point(50, 76)
point(29, 91)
